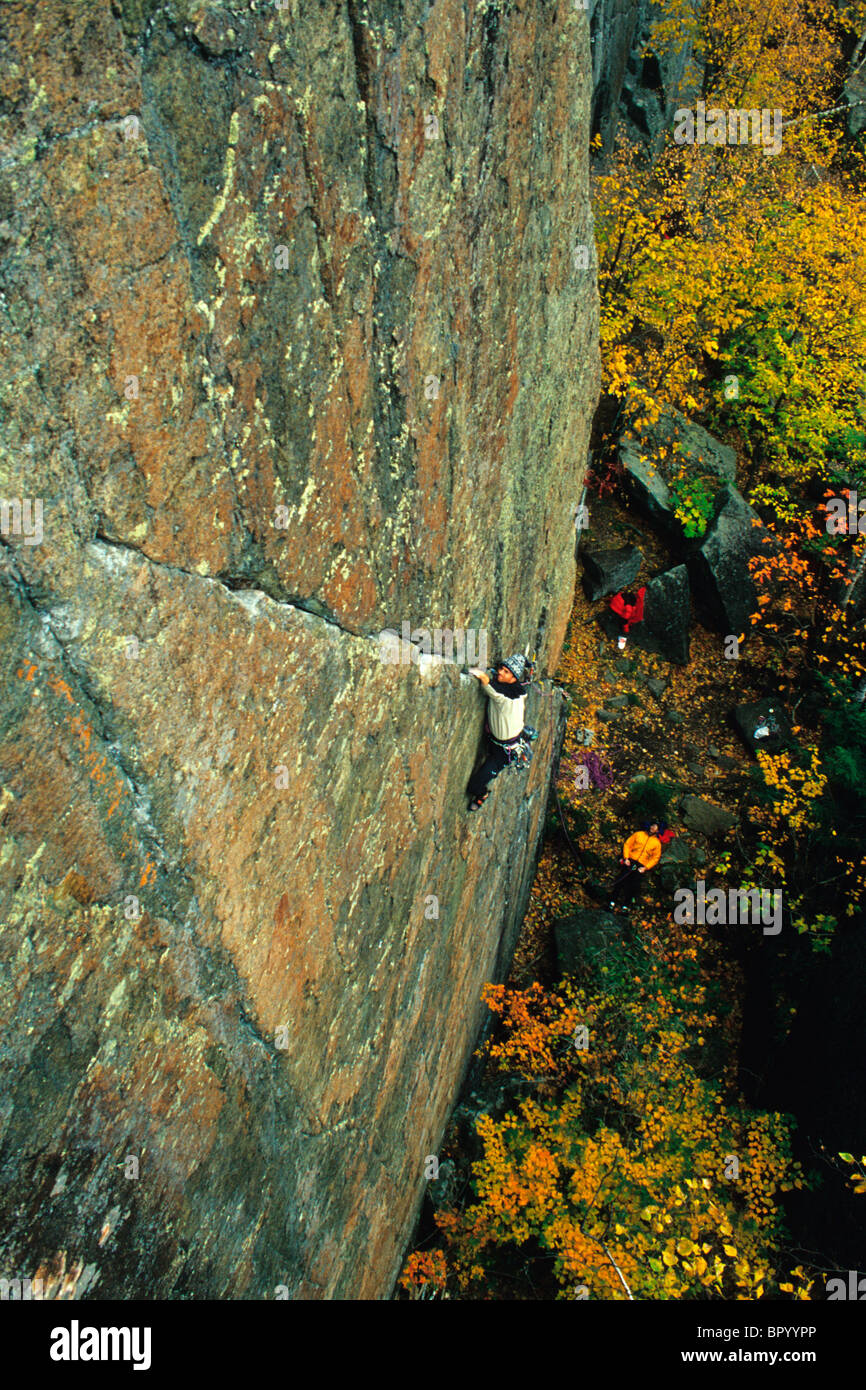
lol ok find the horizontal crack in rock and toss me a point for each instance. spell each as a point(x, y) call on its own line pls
point(231, 584)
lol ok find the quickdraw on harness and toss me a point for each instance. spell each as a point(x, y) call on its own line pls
point(518, 751)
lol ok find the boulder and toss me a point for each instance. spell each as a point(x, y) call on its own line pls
point(719, 568)
point(677, 851)
point(443, 1189)
point(648, 460)
point(665, 627)
point(854, 93)
point(648, 490)
point(763, 725)
point(853, 590)
point(609, 571)
point(585, 931)
point(699, 450)
point(704, 818)
point(674, 865)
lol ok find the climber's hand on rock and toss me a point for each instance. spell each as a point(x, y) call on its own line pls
point(482, 675)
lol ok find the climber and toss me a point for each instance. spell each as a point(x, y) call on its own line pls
point(506, 735)
point(641, 852)
point(629, 607)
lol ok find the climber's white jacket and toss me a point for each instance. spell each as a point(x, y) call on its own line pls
point(504, 715)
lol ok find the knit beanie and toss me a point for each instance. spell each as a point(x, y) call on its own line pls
point(516, 665)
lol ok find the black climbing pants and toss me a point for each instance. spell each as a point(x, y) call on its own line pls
point(628, 885)
point(496, 760)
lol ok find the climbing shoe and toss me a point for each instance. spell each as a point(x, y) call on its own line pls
point(477, 804)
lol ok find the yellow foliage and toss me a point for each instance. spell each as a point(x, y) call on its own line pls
point(720, 261)
point(637, 1201)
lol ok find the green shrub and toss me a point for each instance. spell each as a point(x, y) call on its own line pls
point(695, 503)
point(649, 800)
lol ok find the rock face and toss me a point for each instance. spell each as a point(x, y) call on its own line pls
point(296, 349)
point(615, 25)
point(642, 71)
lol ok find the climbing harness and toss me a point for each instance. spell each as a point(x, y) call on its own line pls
point(518, 751)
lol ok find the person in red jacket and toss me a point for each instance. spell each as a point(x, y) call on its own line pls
point(628, 606)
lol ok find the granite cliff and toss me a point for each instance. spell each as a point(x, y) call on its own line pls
point(297, 347)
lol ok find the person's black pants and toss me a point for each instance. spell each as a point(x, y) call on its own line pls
point(496, 760)
point(628, 885)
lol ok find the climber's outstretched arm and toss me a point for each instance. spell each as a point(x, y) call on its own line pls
point(486, 685)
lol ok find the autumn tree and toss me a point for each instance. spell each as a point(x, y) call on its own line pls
point(731, 278)
point(637, 1177)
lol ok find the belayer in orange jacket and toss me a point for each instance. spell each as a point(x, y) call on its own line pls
point(644, 847)
point(641, 852)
